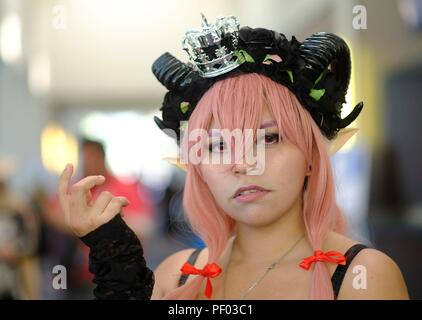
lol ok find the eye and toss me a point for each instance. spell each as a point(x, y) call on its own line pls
point(217, 147)
point(271, 138)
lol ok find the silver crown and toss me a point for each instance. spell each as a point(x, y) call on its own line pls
point(213, 48)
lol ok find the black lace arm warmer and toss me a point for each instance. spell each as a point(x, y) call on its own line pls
point(117, 262)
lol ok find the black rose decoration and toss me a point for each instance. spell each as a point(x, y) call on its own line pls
point(258, 42)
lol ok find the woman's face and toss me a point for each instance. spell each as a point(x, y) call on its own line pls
point(283, 175)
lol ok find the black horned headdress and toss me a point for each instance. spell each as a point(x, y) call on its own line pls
point(316, 70)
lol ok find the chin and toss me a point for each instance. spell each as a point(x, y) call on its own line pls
point(256, 218)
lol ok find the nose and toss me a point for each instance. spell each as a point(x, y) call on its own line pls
point(249, 162)
point(242, 167)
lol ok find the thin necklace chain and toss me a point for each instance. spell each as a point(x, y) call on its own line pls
point(268, 269)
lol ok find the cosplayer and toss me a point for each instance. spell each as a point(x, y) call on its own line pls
point(272, 228)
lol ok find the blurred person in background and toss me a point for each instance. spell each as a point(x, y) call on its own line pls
point(19, 269)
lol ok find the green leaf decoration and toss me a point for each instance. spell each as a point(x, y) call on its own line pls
point(244, 56)
point(290, 75)
point(184, 106)
point(319, 78)
point(267, 57)
point(317, 94)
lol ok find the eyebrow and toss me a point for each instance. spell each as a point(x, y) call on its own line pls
point(266, 124)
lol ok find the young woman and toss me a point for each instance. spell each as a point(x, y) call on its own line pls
point(272, 227)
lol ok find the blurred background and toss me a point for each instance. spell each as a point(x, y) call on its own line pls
point(76, 86)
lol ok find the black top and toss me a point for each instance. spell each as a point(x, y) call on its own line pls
point(340, 272)
point(336, 279)
point(120, 271)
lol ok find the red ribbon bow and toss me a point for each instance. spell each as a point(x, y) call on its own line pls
point(329, 256)
point(211, 270)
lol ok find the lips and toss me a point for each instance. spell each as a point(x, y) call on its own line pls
point(249, 189)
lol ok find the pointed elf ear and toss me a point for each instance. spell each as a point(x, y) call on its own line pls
point(342, 137)
point(176, 161)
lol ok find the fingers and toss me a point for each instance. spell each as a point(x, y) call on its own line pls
point(80, 189)
point(102, 202)
point(85, 184)
point(112, 209)
point(124, 201)
point(64, 182)
point(89, 198)
point(81, 213)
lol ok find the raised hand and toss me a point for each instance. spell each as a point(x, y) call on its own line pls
point(82, 214)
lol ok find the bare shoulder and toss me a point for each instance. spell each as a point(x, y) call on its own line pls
point(167, 273)
point(371, 275)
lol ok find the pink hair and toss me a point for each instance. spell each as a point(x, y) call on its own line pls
point(237, 102)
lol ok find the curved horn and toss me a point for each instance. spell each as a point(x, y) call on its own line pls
point(172, 73)
point(343, 123)
point(322, 50)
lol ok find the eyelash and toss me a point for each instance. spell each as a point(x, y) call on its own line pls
point(273, 135)
point(221, 143)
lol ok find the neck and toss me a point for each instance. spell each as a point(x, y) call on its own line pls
point(265, 244)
